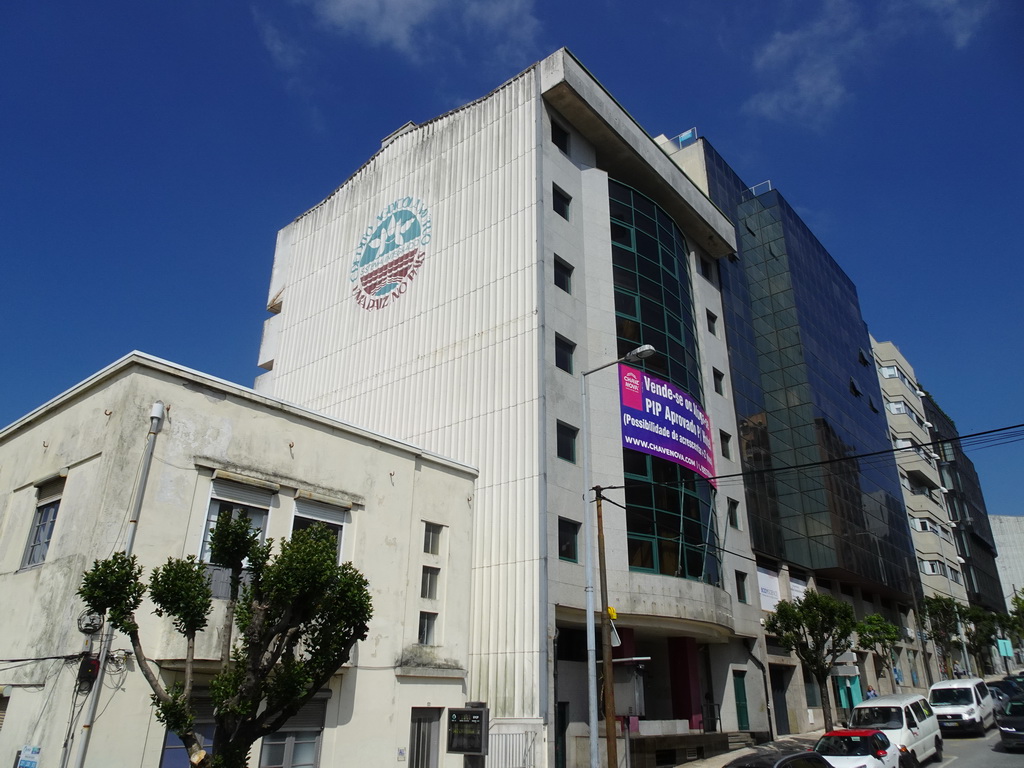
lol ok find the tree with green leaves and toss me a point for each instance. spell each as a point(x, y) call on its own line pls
point(1015, 621)
point(298, 615)
point(943, 615)
point(877, 634)
point(819, 629)
point(981, 627)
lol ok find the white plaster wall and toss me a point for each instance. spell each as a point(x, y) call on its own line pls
point(98, 434)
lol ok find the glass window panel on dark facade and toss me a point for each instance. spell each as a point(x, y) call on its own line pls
point(669, 511)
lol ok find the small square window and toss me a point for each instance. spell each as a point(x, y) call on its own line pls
point(428, 584)
point(566, 442)
point(560, 202)
point(428, 623)
point(733, 512)
point(432, 538)
point(707, 269)
point(563, 275)
point(564, 350)
point(719, 379)
point(559, 137)
point(568, 535)
point(725, 439)
point(712, 323)
point(741, 586)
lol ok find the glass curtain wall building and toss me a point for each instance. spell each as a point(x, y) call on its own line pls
point(807, 399)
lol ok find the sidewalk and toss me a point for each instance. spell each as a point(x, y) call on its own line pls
point(797, 742)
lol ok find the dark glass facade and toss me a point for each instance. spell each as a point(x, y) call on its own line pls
point(807, 399)
point(966, 504)
point(670, 518)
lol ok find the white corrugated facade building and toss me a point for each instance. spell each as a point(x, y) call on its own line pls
point(450, 292)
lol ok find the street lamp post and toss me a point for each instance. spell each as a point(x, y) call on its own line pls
point(635, 355)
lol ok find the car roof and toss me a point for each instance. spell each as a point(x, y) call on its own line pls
point(891, 700)
point(852, 732)
point(962, 682)
point(772, 759)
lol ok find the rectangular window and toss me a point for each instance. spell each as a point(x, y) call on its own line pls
point(432, 538)
point(237, 500)
point(560, 137)
point(297, 744)
point(733, 512)
point(725, 439)
point(563, 274)
point(428, 621)
point(741, 586)
point(428, 584)
point(568, 535)
point(48, 497)
point(564, 350)
point(707, 269)
point(719, 380)
point(566, 442)
point(560, 202)
point(712, 323)
point(309, 513)
point(291, 749)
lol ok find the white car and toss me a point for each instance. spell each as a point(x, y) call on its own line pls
point(864, 748)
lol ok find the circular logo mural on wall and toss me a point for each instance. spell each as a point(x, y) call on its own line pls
point(391, 253)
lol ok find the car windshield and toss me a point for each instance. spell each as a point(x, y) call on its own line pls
point(877, 717)
point(837, 746)
point(947, 697)
point(1014, 709)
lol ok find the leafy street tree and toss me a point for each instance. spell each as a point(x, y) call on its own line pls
point(1015, 621)
point(819, 629)
point(980, 632)
point(943, 614)
point(877, 634)
point(298, 615)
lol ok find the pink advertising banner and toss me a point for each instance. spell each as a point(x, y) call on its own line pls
point(664, 421)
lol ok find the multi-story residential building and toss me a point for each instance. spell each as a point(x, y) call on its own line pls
point(1008, 535)
point(966, 503)
point(455, 291)
point(70, 481)
point(809, 409)
point(924, 493)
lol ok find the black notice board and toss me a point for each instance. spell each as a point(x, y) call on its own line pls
point(467, 731)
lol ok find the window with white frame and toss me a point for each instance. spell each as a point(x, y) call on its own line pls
point(427, 628)
point(237, 500)
point(428, 582)
point(297, 744)
point(48, 496)
point(432, 538)
point(309, 512)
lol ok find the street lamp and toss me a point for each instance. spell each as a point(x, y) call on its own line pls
point(635, 355)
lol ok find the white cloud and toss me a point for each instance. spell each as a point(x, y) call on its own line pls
point(416, 27)
point(807, 66)
point(286, 53)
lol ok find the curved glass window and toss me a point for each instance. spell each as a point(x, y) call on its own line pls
point(670, 518)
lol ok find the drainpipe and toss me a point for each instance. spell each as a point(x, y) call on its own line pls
point(751, 645)
point(156, 420)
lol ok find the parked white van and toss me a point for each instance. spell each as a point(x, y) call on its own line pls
point(965, 704)
point(908, 720)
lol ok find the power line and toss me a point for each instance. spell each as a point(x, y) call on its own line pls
point(986, 439)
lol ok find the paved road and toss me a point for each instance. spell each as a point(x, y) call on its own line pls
point(979, 752)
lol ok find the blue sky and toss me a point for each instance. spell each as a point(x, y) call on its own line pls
point(149, 153)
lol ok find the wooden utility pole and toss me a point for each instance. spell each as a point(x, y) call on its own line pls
point(606, 643)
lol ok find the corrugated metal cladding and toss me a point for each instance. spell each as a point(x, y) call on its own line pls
point(451, 365)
